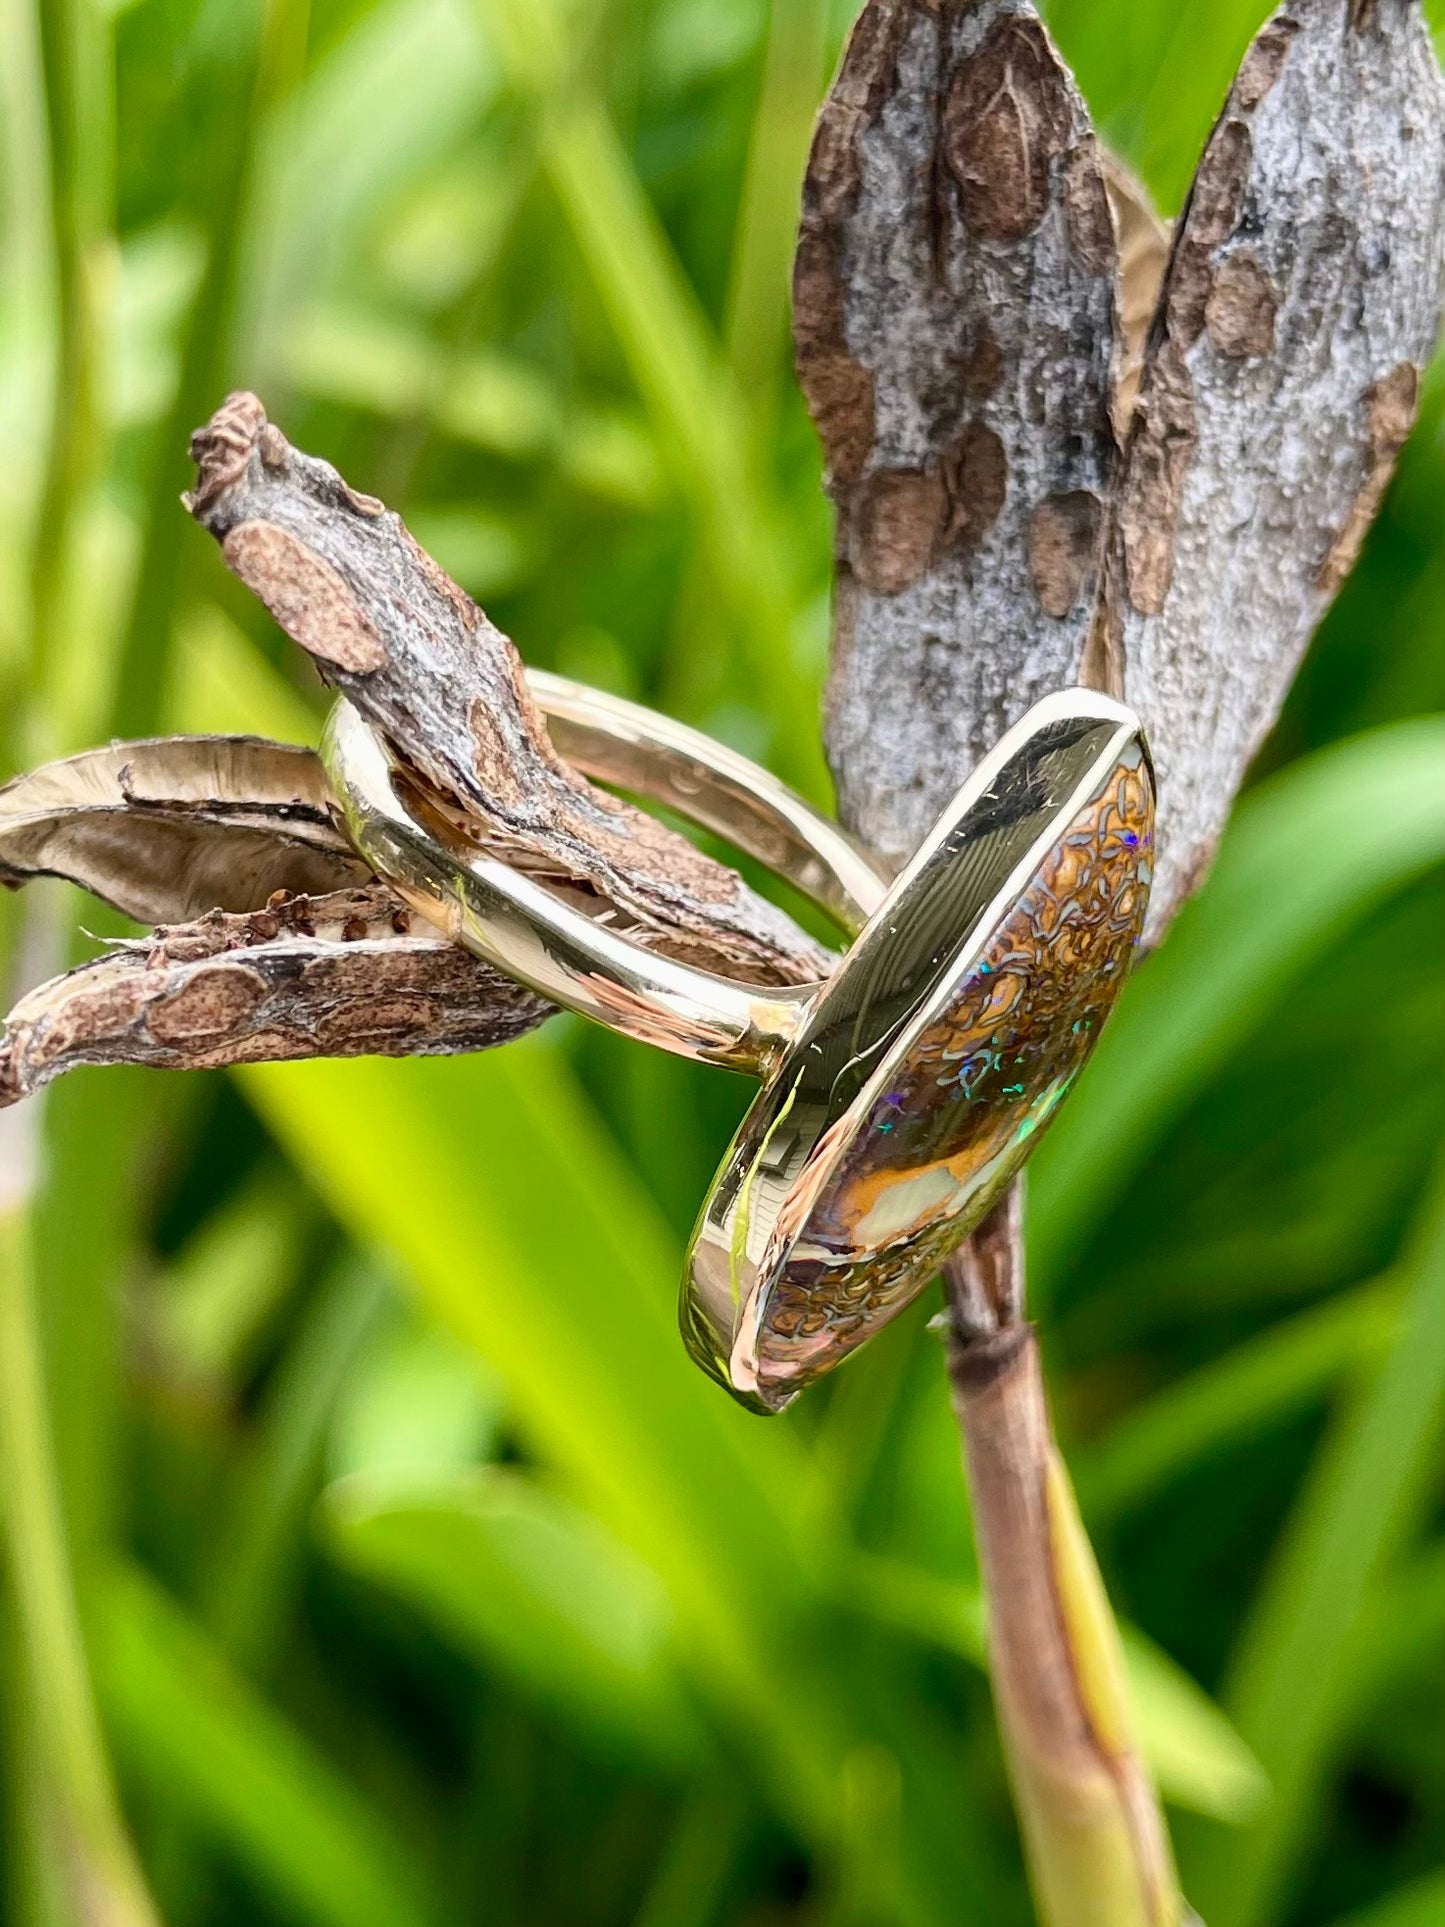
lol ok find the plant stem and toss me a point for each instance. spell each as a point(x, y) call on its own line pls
point(92, 1849)
point(1093, 1831)
point(82, 1850)
point(767, 223)
point(255, 84)
point(73, 56)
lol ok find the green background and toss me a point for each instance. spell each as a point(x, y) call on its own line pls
point(424, 1581)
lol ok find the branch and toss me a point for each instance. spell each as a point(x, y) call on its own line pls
point(1098, 1852)
point(955, 325)
point(171, 829)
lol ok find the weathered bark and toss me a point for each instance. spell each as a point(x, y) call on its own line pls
point(1279, 380)
point(1301, 302)
point(168, 829)
point(171, 829)
point(345, 975)
point(384, 624)
point(954, 326)
point(968, 269)
point(954, 319)
point(985, 1278)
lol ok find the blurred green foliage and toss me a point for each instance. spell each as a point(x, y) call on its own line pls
point(423, 1581)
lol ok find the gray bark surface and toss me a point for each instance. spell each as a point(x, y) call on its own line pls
point(954, 328)
point(956, 333)
point(1301, 302)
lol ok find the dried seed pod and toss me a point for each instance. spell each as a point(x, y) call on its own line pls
point(170, 828)
point(415, 654)
point(954, 325)
point(1143, 240)
point(307, 977)
point(1301, 301)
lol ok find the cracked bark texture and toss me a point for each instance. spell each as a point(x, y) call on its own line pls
point(1301, 302)
point(344, 975)
point(954, 329)
point(171, 829)
point(385, 625)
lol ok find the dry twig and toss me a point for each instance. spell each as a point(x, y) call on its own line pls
point(343, 975)
point(387, 627)
point(172, 829)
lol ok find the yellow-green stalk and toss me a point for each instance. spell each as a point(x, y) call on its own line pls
point(1094, 1836)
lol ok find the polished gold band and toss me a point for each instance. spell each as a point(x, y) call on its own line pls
point(521, 927)
point(902, 1093)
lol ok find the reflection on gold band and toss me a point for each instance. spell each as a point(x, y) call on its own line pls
point(955, 1121)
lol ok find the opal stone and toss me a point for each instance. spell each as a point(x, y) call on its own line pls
point(894, 1136)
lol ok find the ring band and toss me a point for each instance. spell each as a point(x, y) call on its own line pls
point(636, 749)
point(902, 1094)
point(516, 924)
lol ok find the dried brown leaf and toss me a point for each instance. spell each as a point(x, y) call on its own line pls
point(168, 829)
point(1143, 240)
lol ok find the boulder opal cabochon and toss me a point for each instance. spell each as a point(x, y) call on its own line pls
point(924, 1074)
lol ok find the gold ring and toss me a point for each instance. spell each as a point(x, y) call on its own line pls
point(902, 1093)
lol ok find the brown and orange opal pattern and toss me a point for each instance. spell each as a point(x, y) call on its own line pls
point(956, 1114)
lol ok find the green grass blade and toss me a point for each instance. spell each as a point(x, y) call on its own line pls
point(82, 1823)
point(208, 1746)
point(569, 1283)
point(76, 58)
point(259, 1549)
point(1308, 855)
point(1253, 1387)
point(389, 97)
point(1198, 1758)
point(1289, 1686)
point(1157, 76)
point(534, 1587)
point(567, 1288)
point(209, 1310)
point(767, 224)
point(221, 684)
point(1399, 1635)
point(1421, 1904)
point(697, 1861)
point(415, 1402)
point(677, 365)
point(258, 74)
